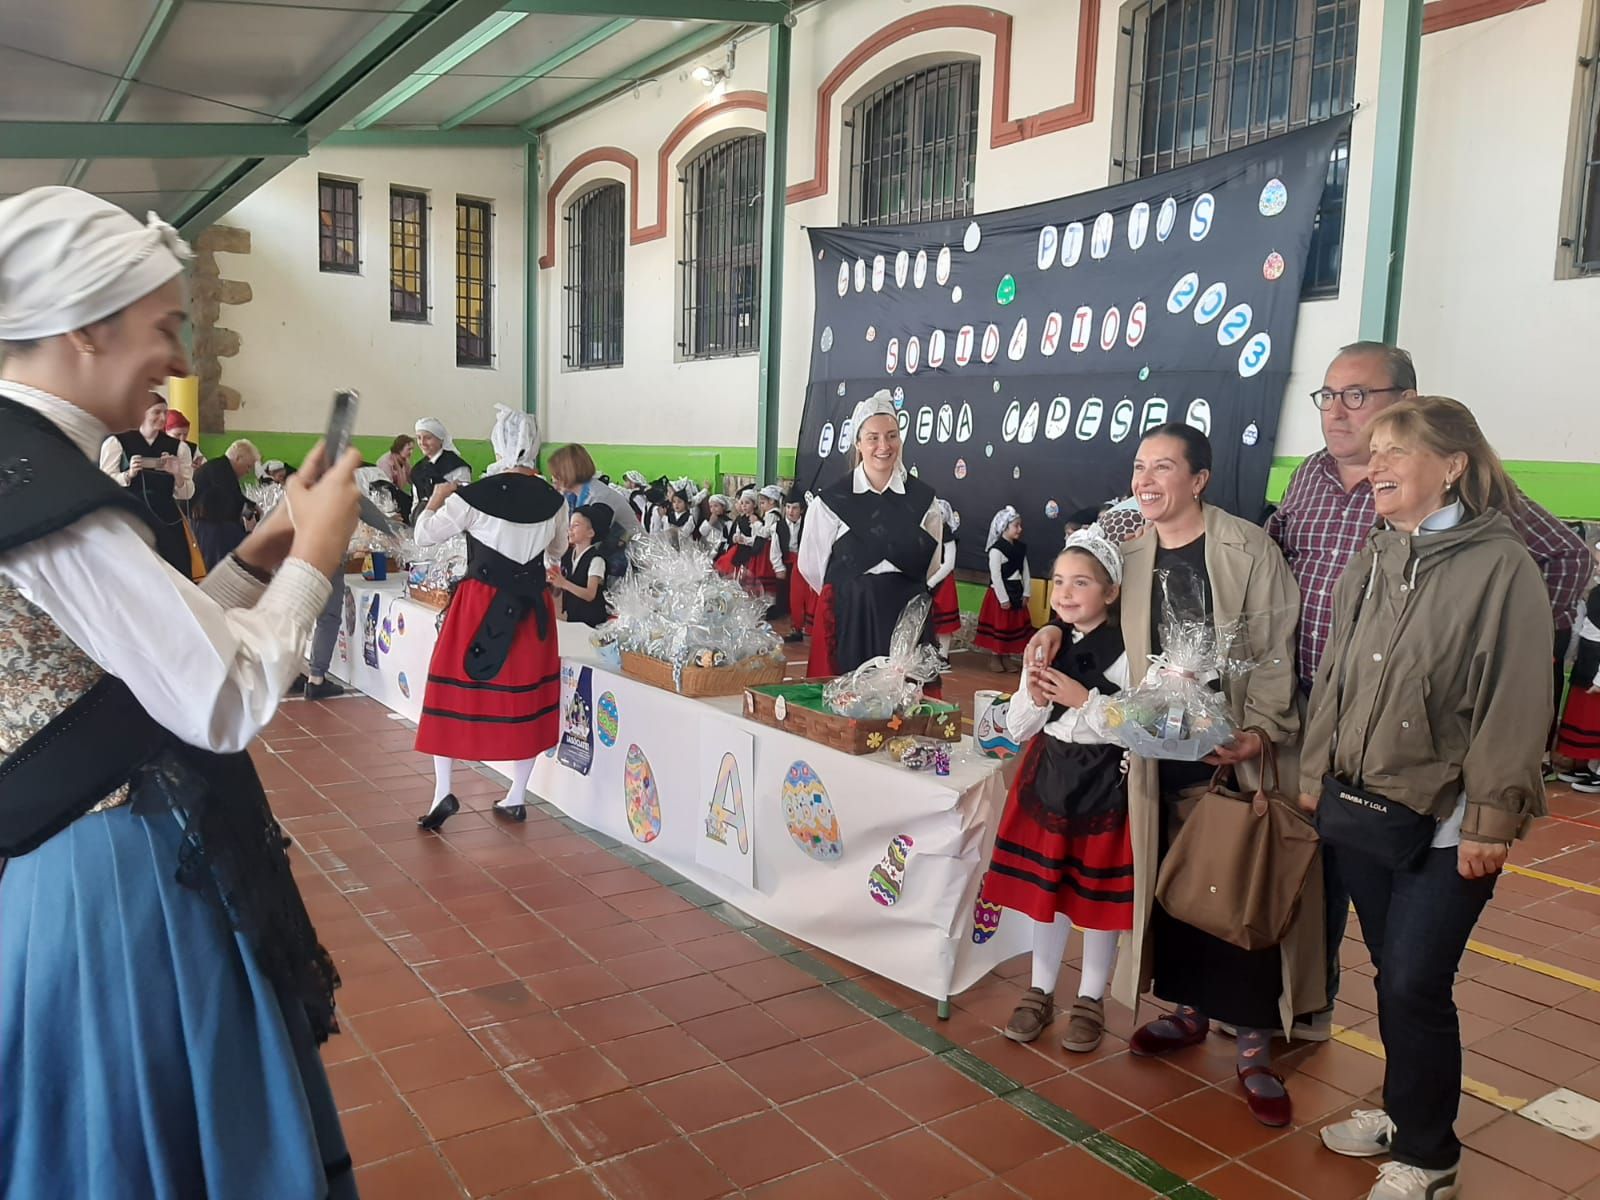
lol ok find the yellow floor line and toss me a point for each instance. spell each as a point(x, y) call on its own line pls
point(1472, 1087)
point(1533, 964)
point(1546, 877)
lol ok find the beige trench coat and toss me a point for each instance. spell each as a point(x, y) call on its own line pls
point(1249, 578)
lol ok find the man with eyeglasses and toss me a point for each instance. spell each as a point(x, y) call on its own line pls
point(1324, 519)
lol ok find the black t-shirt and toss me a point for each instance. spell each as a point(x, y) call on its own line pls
point(1188, 586)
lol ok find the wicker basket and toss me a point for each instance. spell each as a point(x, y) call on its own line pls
point(701, 681)
point(852, 735)
point(435, 598)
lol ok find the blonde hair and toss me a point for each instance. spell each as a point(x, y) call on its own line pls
point(1447, 427)
point(570, 466)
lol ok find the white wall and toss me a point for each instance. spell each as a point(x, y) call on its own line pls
point(306, 333)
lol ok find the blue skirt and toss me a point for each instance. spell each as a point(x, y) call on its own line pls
point(142, 1051)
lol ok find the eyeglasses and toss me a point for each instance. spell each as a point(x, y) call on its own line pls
point(1351, 397)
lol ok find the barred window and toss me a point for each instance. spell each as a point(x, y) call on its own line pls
point(596, 236)
point(408, 255)
point(338, 226)
point(1207, 76)
point(474, 291)
point(914, 147)
point(1587, 247)
point(722, 211)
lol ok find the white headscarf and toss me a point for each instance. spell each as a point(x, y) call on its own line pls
point(436, 427)
point(69, 259)
point(879, 404)
point(636, 479)
point(1093, 539)
point(1001, 522)
point(952, 522)
point(719, 498)
point(513, 439)
point(773, 492)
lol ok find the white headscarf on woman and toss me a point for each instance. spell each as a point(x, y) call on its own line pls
point(513, 439)
point(879, 404)
point(1002, 522)
point(436, 427)
point(69, 259)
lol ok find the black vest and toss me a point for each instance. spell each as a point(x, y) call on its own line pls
point(1015, 555)
point(883, 526)
point(519, 587)
point(576, 570)
point(1088, 659)
point(426, 476)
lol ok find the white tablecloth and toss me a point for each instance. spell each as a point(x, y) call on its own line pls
point(924, 940)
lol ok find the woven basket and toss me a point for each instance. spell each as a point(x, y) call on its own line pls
point(701, 681)
point(435, 598)
point(852, 735)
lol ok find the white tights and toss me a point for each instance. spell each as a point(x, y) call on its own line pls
point(1050, 947)
point(444, 768)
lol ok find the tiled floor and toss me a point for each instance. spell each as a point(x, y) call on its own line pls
point(529, 1014)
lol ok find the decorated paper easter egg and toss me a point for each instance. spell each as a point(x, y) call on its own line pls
point(887, 878)
point(994, 739)
point(606, 718)
point(639, 795)
point(985, 919)
point(809, 816)
point(405, 685)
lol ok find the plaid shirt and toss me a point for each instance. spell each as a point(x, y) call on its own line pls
point(1320, 526)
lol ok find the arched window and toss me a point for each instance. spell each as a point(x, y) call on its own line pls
point(722, 213)
point(596, 235)
point(1206, 76)
point(914, 146)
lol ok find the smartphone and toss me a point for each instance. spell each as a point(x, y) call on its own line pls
point(341, 425)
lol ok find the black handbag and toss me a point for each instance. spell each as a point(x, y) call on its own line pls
point(1356, 820)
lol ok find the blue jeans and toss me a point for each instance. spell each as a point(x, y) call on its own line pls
point(1416, 925)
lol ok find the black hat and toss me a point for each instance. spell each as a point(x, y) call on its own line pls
point(599, 516)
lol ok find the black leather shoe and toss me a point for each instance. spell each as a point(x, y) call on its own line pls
point(326, 690)
point(439, 814)
point(298, 687)
point(512, 812)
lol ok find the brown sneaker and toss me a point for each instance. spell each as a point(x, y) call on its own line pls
point(1036, 1010)
point(1084, 1026)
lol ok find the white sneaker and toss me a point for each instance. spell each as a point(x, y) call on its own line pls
point(1366, 1134)
point(1401, 1181)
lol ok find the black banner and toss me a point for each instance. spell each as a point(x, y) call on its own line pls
point(1027, 349)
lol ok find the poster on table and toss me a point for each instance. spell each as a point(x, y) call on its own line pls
point(726, 841)
point(576, 748)
point(1026, 350)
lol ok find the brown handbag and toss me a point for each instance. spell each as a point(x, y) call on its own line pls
point(1238, 865)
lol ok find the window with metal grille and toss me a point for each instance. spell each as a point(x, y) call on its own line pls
point(722, 210)
point(595, 241)
point(914, 146)
point(408, 255)
point(1207, 76)
point(338, 226)
point(474, 291)
point(1587, 245)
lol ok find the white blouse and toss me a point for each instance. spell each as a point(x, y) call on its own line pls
point(183, 481)
point(520, 543)
point(947, 564)
point(997, 580)
point(1024, 718)
point(826, 528)
point(209, 663)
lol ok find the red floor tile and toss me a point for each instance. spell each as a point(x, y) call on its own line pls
point(656, 1055)
point(568, 1078)
point(759, 1148)
point(467, 1105)
point(915, 1166)
point(788, 1072)
point(738, 1032)
point(415, 1175)
point(927, 1089)
point(831, 1180)
point(492, 1160)
point(611, 1126)
point(997, 1136)
point(705, 1098)
point(438, 1060)
point(868, 1048)
point(1071, 1173)
point(848, 1118)
point(672, 1171)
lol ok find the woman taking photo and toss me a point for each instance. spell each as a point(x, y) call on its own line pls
point(1433, 700)
point(162, 991)
point(870, 548)
point(1196, 548)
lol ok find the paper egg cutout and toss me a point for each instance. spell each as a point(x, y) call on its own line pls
point(826, 340)
point(388, 625)
point(639, 795)
point(808, 815)
point(400, 623)
point(955, 294)
point(1273, 268)
point(985, 919)
point(1274, 198)
point(1006, 292)
point(607, 718)
point(887, 878)
point(405, 685)
point(384, 642)
point(993, 738)
point(972, 239)
point(1052, 509)
point(961, 468)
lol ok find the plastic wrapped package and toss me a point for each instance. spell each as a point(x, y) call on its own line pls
point(264, 494)
point(1174, 713)
point(435, 568)
point(881, 687)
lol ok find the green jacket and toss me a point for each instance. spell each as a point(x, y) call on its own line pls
point(1442, 647)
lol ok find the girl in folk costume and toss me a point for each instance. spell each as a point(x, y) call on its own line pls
point(581, 577)
point(871, 546)
point(799, 595)
point(494, 684)
point(681, 524)
point(1062, 854)
point(717, 528)
point(946, 604)
point(439, 462)
point(766, 563)
point(637, 487)
point(162, 990)
point(1004, 625)
point(743, 531)
point(1579, 734)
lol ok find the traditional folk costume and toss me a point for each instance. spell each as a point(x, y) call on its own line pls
point(444, 467)
point(586, 566)
point(1579, 734)
point(714, 530)
point(159, 490)
point(638, 501)
point(162, 990)
point(946, 603)
point(1005, 630)
point(218, 510)
point(867, 554)
point(746, 555)
point(794, 593)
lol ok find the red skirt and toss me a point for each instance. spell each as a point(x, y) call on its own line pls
point(946, 606)
point(824, 632)
point(1579, 735)
point(1039, 872)
point(515, 715)
point(1003, 630)
point(801, 597)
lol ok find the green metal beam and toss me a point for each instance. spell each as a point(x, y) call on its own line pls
point(749, 12)
point(530, 278)
point(475, 137)
point(441, 65)
point(775, 183)
point(692, 43)
point(91, 139)
point(395, 49)
point(555, 62)
point(154, 31)
point(1394, 137)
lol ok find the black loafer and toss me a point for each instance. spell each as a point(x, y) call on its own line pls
point(512, 812)
point(439, 814)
